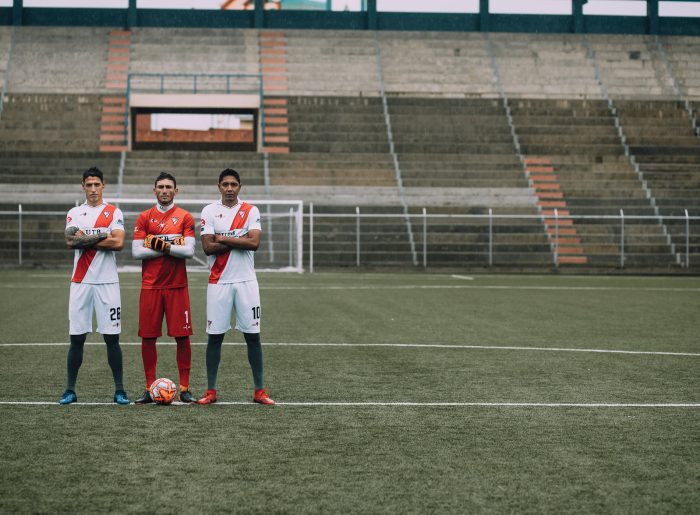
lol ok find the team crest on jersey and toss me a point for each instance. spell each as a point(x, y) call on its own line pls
point(106, 214)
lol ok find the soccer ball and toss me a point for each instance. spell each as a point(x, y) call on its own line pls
point(162, 391)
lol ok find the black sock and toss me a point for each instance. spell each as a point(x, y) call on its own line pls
point(255, 357)
point(213, 358)
point(75, 358)
point(114, 358)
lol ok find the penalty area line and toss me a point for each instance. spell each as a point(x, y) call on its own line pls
point(312, 404)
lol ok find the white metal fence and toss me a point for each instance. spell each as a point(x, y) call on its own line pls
point(358, 239)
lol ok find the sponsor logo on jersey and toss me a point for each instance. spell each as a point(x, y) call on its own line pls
point(174, 220)
point(208, 324)
point(203, 223)
point(68, 220)
point(220, 215)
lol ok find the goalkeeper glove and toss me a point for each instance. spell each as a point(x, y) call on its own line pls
point(156, 243)
point(180, 240)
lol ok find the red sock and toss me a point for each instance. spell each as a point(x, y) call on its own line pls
point(149, 353)
point(184, 357)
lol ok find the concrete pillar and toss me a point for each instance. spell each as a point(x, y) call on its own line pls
point(653, 16)
point(259, 14)
point(372, 14)
point(132, 15)
point(17, 12)
point(484, 15)
point(579, 23)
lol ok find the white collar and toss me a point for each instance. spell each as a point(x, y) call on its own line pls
point(237, 204)
point(98, 205)
point(165, 209)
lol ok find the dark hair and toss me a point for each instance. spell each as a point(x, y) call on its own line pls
point(165, 175)
point(93, 172)
point(231, 172)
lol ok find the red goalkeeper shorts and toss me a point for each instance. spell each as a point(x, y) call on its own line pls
point(174, 303)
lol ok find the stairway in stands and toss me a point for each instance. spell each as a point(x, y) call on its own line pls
point(113, 135)
point(273, 68)
point(560, 227)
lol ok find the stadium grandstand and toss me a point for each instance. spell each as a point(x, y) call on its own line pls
point(460, 140)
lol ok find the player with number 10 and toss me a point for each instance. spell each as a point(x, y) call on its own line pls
point(230, 236)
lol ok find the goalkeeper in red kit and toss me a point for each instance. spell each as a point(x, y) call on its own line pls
point(164, 239)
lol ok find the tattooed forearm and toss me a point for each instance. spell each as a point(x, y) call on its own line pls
point(77, 239)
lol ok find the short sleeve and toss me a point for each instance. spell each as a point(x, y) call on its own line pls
point(188, 226)
point(140, 227)
point(70, 219)
point(117, 221)
point(207, 223)
point(254, 219)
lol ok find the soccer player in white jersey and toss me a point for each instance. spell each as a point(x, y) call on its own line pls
point(95, 230)
point(230, 236)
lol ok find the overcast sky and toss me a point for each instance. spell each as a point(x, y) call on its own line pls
point(628, 7)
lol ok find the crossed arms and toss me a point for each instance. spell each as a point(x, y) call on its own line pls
point(217, 244)
point(77, 239)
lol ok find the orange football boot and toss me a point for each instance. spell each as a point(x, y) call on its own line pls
point(209, 397)
point(261, 397)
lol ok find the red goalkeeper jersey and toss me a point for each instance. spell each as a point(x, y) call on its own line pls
point(164, 271)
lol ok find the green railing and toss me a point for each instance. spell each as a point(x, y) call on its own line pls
point(194, 83)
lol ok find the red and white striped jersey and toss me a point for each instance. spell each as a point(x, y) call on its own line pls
point(93, 266)
point(235, 265)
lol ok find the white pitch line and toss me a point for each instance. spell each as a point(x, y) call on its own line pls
point(396, 404)
point(403, 287)
point(463, 277)
point(390, 345)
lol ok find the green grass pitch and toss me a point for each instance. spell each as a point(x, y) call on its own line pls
point(529, 429)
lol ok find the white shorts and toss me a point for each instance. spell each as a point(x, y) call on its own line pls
point(104, 299)
point(243, 298)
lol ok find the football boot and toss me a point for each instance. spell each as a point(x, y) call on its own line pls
point(186, 396)
point(120, 397)
point(209, 397)
point(68, 397)
point(145, 398)
point(261, 397)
